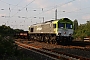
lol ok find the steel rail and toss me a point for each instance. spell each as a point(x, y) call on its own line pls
point(49, 53)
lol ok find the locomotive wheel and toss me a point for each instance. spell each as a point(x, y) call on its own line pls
point(58, 40)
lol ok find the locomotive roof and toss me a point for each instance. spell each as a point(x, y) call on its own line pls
point(50, 21)
point(65, 20)
point(44, 22)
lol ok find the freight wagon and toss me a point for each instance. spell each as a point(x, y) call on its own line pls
point(22, 35)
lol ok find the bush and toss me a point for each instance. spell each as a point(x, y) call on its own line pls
point(7, 46)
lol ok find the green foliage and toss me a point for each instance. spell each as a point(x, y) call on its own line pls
point(75, 24)
point(82, 31)
point(7, 31)
point(7, 46)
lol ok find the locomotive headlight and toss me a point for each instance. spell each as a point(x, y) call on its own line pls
point(59, 34)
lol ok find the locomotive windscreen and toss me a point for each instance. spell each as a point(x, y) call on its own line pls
point(61, 25)
point(69, 26)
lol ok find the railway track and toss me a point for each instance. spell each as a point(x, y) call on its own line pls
point(51, 53)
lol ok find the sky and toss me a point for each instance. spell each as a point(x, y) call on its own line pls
point(20, 14)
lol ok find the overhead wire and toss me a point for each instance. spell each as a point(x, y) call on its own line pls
point(56, 7)
point(30, 3)
point(9, 3)
point(41, 12)
point(18, 3)
point(23, 7)
point(78, 10)
point(59, 5)
point(46, 10)
point(49, 9)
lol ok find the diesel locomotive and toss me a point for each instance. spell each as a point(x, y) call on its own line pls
point(53, 31)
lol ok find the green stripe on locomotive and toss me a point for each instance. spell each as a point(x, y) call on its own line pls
point(65, 20)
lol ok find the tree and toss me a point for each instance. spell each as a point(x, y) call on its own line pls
point(75, 24)
point(83, 30)
point(7, 44)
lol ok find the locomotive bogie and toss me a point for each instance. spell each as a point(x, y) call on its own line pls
point(48, 38)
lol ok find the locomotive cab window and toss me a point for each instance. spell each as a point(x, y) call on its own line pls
point(61, 25)
point(69, 26)
point(54, 25)
point(31, 29)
